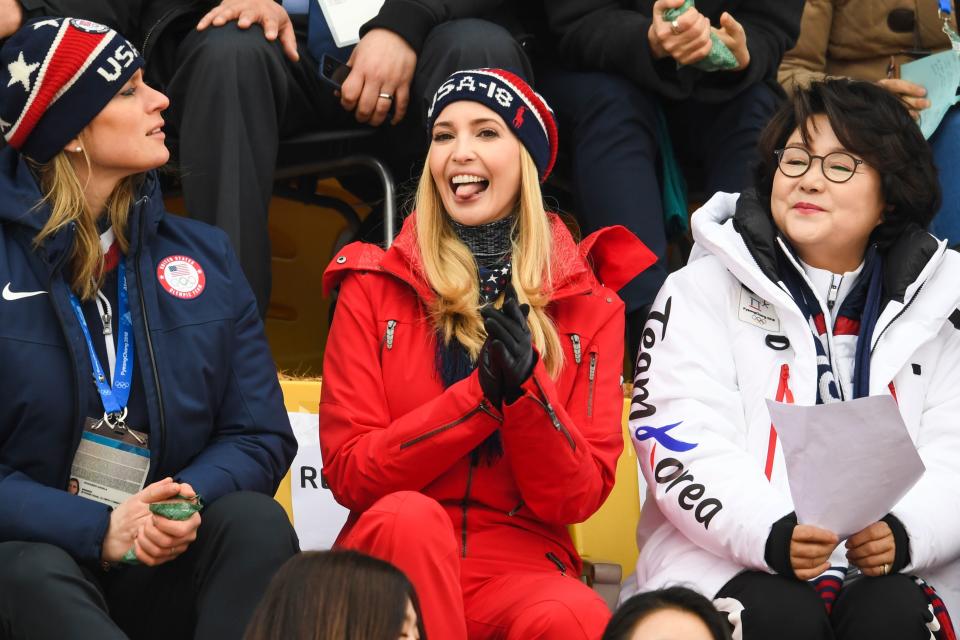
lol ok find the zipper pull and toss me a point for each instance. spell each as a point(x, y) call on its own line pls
point(107, 324)
point(552, 557)
point(577, 353)
point(834, 290)
point(391, 326)
point(593, 367)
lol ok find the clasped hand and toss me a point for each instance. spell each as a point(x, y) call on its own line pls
point(507, 357)
point(155, 540)
point(688, 42)
point(869, 550)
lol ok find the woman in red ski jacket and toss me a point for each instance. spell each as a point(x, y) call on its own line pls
point(467, 476)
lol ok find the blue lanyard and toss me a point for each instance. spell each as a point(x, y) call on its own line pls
point(945, 7)
point(114, 396)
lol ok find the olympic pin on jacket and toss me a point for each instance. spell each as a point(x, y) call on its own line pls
point(216, 413)
point(721, 339)
point(387, 424)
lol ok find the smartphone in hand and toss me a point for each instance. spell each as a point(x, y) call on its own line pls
point(333, 71)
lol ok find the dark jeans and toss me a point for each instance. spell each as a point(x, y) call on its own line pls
point(608, 125)
point(234, 95)
point(210, 591)
point(867, 609)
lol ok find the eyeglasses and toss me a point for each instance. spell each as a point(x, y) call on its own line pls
point(838, 166)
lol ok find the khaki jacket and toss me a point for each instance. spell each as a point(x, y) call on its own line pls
point(853, 38)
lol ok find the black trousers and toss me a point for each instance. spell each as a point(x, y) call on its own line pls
point(209, 592)
point(867, 609)
point(609, 126)
point(234, 95)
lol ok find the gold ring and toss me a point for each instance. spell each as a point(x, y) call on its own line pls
point(386, 96)
point(675, 27)
point(886, 568)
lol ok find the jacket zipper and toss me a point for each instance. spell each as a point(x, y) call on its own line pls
point(577, 353)
point(553, 415)
point(894, 319)
point(391, 328)
point(465, 504)
point(835, 282)
point(153, 27)
point(77, 411)
point(483, 406)
point(783, 395)
point(146, 328)
point(591, 377)
point(552, 557)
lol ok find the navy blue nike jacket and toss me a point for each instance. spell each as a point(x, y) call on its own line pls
point(216, 413)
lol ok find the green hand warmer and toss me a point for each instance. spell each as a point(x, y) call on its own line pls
point(180, 510)
point(720, 57)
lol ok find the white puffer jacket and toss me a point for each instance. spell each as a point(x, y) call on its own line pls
point(721, 339)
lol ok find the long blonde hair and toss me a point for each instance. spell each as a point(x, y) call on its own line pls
point(63, 191)
point(451, 270)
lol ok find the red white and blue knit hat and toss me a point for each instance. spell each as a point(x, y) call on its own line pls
point(524, 110)
point(56, 75)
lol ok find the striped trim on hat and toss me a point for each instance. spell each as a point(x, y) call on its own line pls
point(72, 52)
point(56, 74)
point(500, 91)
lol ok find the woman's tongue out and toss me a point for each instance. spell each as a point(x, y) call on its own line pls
point(469, 190)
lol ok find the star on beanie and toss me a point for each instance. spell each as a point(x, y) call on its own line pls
point(524, 110)
point(56, 75)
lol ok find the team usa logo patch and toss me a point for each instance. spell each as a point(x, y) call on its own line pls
point(182, 277)
point(88, 26)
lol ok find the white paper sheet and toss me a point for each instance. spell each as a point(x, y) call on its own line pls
point(317, 517)
point(848, 463)
point(345, 17)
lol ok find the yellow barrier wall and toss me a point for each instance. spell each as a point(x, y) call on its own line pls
point(301, 396)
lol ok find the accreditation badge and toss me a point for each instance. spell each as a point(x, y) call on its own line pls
point(111, 463)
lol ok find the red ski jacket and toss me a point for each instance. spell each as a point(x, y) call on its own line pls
point(387, 424)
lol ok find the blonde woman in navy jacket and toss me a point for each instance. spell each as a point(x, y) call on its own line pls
point(122, 324)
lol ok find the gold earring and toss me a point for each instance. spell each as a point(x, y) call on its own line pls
point(78, 150)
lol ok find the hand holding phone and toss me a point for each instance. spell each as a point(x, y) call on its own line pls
point(333, 71)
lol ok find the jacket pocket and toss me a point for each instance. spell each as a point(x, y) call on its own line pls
point(482, 407)
point(593, 358)
point(544, 403)
point(552, 557)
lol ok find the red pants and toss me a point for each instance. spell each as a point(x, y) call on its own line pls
point(467, 597)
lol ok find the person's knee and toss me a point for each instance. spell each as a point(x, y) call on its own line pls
point(229, 45)
point(889, 607)
point(473, 38)
point(596, 100)
point(412, 510)
point(583, 615)
point(776, 607)
point(28, 566)
point(250, 518)
point(411, 521)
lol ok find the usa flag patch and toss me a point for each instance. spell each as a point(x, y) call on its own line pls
point(181, 277)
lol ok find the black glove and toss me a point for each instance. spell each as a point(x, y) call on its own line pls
point(489, 373)
point(511, 349)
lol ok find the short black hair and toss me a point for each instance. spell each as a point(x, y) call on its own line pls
point(873, 124)
point(638, 607)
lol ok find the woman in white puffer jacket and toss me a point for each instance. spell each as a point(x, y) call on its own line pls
point(821, 285)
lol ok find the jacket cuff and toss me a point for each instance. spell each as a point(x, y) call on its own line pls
point(901, 554)
point(409, 20)
point(512, 395)
point(777, 551)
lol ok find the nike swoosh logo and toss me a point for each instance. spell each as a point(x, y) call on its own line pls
point(17, 295)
